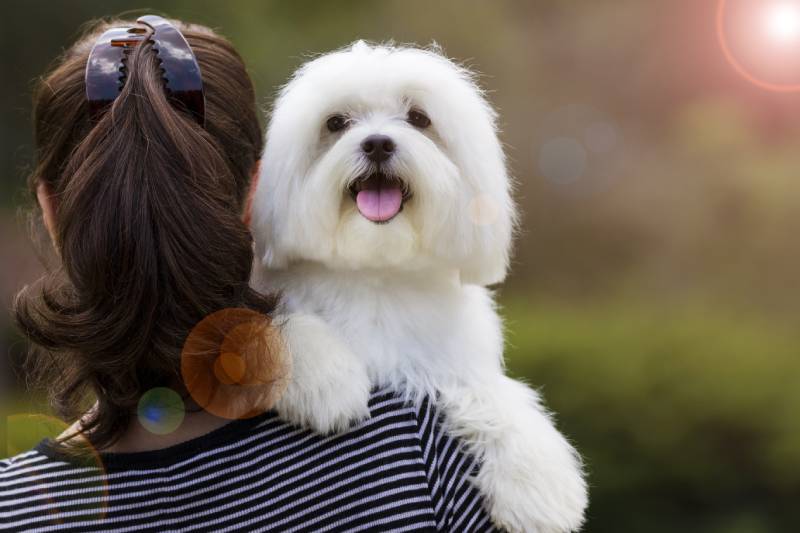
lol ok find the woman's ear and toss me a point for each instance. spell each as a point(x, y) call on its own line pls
point(248, 204)
point(47, 203)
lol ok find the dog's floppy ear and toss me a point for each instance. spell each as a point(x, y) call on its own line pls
point(261, 218)
point(487, 212)
point(491, 214)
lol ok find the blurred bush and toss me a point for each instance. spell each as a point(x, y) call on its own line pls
point(687, 416)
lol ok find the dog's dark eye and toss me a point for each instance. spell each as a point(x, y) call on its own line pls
point(418, 119)
point(337, 123)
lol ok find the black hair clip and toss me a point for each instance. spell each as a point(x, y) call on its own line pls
point(106, 71)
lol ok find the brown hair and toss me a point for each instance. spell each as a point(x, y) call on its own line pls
point(148, 227)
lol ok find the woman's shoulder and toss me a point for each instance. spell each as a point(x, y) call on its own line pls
point(261, 470)
point(23, 472)
point(398, 423)
point(20, 464)
point(13, 464)
point(390, 412)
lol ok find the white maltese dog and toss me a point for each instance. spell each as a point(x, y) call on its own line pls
point(382, 212)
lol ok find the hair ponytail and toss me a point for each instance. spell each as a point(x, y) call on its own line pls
point(148, 226)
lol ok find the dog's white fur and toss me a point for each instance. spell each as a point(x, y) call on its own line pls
point(403, 303)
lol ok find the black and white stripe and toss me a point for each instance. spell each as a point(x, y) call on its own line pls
point(397, 471)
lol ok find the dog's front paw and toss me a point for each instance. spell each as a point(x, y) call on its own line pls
point(533, 478)
point(530, 476)
point(524, 498)
point(329, 387)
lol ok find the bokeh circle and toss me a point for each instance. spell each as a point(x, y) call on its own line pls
point(234, 363)
point(483, 210)
point(161, 411)
point(562, 160)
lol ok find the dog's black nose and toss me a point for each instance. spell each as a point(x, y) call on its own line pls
point(378, 148)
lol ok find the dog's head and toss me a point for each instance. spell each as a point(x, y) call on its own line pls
point(384, 157)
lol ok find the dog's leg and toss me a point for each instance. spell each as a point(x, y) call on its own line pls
point(329, 386)
point(530, 475)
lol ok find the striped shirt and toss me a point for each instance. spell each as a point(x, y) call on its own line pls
point(397, 471)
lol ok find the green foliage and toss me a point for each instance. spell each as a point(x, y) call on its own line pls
point(686, 415)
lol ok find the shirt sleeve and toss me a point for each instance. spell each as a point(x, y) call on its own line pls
point(458, 505)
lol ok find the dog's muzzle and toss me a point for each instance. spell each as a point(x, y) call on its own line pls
point(379, 197)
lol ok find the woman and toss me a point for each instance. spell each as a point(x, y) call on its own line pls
point(150, 319)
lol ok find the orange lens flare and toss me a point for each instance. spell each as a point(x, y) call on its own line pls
point(234, 364)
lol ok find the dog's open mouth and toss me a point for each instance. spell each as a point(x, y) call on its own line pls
point(379, 197)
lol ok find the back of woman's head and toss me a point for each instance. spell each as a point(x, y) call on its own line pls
point(147, 224)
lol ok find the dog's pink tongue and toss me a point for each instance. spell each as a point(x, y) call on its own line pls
point(379, 205)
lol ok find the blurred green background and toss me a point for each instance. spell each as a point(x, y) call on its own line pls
point(655, 289)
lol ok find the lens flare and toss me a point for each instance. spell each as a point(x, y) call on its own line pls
point(484, 210)
point(161, 411)
point(26, 430)
point(234, 364)
point(562, 160)
point(761, 41)
point(782, 21)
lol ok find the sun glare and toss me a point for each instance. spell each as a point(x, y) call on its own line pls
point(760, 39)
point(782, 21)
